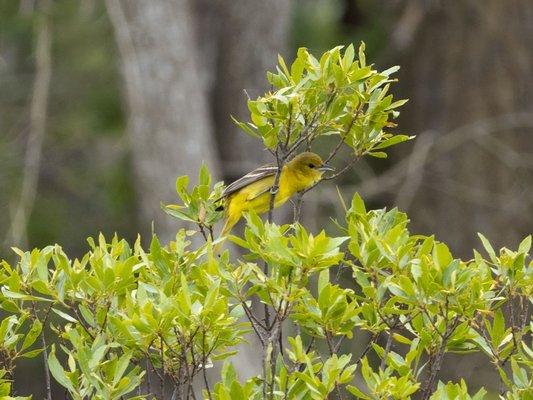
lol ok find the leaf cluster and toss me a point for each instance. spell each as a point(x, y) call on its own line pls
point(128, 321)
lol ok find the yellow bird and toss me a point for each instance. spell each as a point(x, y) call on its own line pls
point(253, 190)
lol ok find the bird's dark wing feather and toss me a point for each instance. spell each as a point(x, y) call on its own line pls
point(251, 177)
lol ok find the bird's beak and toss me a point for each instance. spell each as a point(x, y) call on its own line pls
point(326, 167)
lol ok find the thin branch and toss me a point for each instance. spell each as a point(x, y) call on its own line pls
point(331, 352)
point(202, 231)
point(252, 317)
point(343, 170)
point(273, 191)
point(148, 381)
point(74, 309)
point(289, 128)
point(162, 381)
point(204, 371)
point(336, 149)
point(435, 361)
point(328, 342)
point(387, 350)
point(444, 144)
point(154, 369)
point(307, 132)
point(45, 350)
point(372, 340)
point(297, 207)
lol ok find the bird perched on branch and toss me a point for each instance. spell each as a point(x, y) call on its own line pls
point(254, 190)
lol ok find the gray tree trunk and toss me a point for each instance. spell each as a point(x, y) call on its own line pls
point(185, 65)
point(169, 123)
point(251, 35)
point(469, 67)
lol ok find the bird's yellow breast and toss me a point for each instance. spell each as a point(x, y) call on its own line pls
point(256, 196)
point(299, 174)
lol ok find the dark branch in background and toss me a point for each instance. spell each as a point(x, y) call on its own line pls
point(387, 350)
point(162, 381)
point(430, 151)
point(45, 349)
point(332, 350)
point(148, 382)
point(38, 109)
point(342, 170)
point(435, 359)
point(204, 371)
point(336, 149)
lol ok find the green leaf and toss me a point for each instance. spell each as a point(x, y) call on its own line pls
point(362, 58)
point(349, 54)
point(22, 296)
point(175, 211)
point(204, 177)
point(58, 372)
point(519, 375)
point(358, 205)
point(525, 245)
point(64, 315)
point(32, 353)
point(392, 141)
point(488, 247)
point(31, 336)
point(442, 255)
point(323, 279)
point(357, 393)
point(498, 328)
point(378, 154)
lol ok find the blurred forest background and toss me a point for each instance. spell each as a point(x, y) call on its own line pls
point(104, 103)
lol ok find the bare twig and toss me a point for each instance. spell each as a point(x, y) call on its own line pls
point(435, 361)
point(336, 149)
point(45, 349)
point(162, 381)
point(367, 348)
point(148, 381)
point(204, 370)
point(74, 309)
point(446, 143)
point(387, 350)
point(307, 133)
point(352, 161)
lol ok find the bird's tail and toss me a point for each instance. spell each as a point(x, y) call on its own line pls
point(226, 229)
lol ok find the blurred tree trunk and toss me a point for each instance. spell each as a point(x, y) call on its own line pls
point(169, 123)
point(18, 235)
point(251, 35)
point(471, 64)
point(185, 66)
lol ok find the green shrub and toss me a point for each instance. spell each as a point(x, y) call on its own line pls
point(124, 321)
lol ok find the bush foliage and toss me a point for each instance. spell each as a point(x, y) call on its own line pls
point(128, 322)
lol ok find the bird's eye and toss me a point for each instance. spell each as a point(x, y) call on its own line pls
point(311, 165)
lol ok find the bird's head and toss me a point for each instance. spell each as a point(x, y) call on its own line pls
point(309, 167)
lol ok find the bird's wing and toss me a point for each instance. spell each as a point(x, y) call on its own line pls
point(251, 177)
